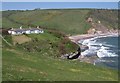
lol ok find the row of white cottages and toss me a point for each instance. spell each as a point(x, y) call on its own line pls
point(25, 31)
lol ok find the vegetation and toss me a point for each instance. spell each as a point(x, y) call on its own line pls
point(7, 22)
point(9, 39)
point(108, 17)
point(39, 58)
point(49, 44)
point(69, 21)
point(20, 66)
point(19, 39)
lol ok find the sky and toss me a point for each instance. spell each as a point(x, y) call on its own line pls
point(56, 5)
point(60, 0)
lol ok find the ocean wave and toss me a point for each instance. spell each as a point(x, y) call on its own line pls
point(101, 49)
point(104, 52)
point(102, 60)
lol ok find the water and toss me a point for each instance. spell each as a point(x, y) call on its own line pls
point(105, 47)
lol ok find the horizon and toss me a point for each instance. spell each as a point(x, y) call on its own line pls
point(58, 5)
point(58, 9)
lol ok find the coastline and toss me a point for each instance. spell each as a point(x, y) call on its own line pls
point(77, 38)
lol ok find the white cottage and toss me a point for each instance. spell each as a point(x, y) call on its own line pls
point(25, 31)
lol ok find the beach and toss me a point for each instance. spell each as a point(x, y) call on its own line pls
point(93, 58)
point(76, 38)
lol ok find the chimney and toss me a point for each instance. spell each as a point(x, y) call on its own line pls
point(12, 29)
point(38, 27)
point(21, 27)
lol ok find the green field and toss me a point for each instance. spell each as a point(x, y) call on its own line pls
point(44, 64)
point(39, 58)
point(69, 21)
point(20, 66)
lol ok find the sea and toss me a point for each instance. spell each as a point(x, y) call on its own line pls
point(106, 48)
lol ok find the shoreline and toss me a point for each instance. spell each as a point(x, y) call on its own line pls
point(77, 38)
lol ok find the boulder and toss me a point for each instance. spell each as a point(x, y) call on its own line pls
point(84, 47)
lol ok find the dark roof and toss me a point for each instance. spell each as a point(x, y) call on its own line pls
point(35, 29)
point(21, 30)
point(18, 30)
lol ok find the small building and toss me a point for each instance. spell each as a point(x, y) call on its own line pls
point(25, 31)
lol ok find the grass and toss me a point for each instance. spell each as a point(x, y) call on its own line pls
point(20, 39)
point(48, 43)
point(20, 64)
point(107, 17)
point(9, 24)
point(0, 64)
point(68, 21)
point(38, 59)
point(39, 67)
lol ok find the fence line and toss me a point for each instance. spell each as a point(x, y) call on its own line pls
point(5, 40)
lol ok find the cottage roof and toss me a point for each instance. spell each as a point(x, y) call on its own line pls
point(35, 29)
point(25, 29)
point(18, 30)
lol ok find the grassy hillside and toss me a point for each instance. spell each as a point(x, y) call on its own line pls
point(38, 56)
point(70, 21)
point(10, 23)
point(21, 66)
point(107, 17)
point(40, 63)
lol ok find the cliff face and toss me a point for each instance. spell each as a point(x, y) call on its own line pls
point(100, 26)
point(108, 17)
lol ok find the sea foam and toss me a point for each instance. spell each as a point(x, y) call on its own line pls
point(101, 49)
